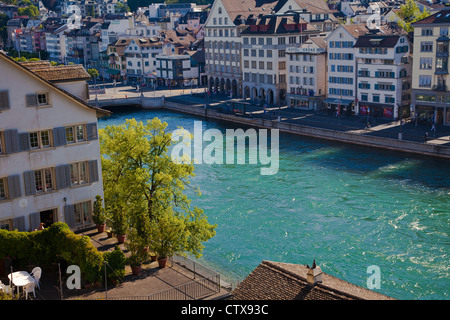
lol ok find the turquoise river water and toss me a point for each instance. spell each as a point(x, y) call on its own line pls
point(345, 206)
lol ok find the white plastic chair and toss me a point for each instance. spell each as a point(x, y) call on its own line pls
point(5, 288)
point(28, 289)
point(36, 274)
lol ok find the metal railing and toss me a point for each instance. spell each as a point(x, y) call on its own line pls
point(189, 291)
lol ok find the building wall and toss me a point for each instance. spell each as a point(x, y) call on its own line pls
point(430, 88)
point(60, 112)
point(222, 41)
point(341, 66)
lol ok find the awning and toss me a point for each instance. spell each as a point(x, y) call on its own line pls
point(337, 101)
point(113, 71)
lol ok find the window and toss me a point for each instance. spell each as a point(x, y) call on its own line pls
point(75, 133)
point(269, 65)
point(37, 99)
point(427, 31)
point(281, 40)
point(40, 139)
point(426, 63)
point(79, 173)
point(282, 65)
point(82, 213)
point(44, 181)
point(426, 46)
point(4, 100)
point(2, 189)
point(269, 53)
point(424, 81)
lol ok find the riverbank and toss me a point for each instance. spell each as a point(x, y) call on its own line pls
point(356, 136)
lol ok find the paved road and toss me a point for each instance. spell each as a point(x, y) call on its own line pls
point(382, 128)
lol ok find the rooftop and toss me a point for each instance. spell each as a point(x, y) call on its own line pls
point(54, 74)
point(287, 281)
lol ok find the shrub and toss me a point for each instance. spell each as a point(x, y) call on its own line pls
point(49, 246)
point(116, 260)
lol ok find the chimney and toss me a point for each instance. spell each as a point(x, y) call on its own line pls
point(314, 274)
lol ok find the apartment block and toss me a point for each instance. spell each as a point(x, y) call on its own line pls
point(431, 79)
point(383, 73)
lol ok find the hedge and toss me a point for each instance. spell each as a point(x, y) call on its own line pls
point(54, 244)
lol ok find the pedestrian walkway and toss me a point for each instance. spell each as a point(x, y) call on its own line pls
point(380, 127)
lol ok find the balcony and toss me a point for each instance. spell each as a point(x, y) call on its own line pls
point(439, 87)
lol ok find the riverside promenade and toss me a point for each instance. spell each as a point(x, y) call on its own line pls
point(407, 137)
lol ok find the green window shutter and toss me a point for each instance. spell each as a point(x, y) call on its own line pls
point(35, 220)
point(24, 141)
point(59, 136)
point(92, 133)
point(11, 141)
point(93, 171)
point(69, 215)
point(30, 183)
point(14, 187)
point(62, 174)
point(4, 100)
point(32, 100)
point(19, 223)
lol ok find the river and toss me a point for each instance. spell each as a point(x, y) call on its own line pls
point(348, 207)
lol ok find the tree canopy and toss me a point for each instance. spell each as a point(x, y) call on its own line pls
point(146, 189)
point(410, 13)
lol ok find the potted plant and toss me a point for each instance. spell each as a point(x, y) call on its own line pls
point(135, 244)
point(99, 214)
point(109, 232)
point(119, 225)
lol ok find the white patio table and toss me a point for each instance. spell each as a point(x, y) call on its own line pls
point(20, 279)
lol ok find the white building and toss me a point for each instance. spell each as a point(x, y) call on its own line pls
point(431, 80)
point(264, 61)
point(384, 68)
point(141, 59)
point(175, 69)
point(56, 42)
point(50, 166)
point(341, 83)
point(307, 74)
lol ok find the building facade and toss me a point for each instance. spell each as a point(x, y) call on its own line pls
point(50, 168)
point(383, 69)
point(431, 79)
point(341, 84)
point(307, 74)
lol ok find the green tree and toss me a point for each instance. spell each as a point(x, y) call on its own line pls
point(3, 27)
point(410, 13)
point(93, 73)
point(141, 181)
point(30, 11)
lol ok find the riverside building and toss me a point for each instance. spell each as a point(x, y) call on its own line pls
point(307, 74)
point(50, 168)
point(383, 73)
point(430, 84)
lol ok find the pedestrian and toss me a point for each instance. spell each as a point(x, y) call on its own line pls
point(426, 137)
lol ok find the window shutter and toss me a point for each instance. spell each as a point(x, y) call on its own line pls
point(14, 187)
point(63, 176)
point(24, 141)
point(59, 136)
point(93, 170)
point(4, 100)
point(92, 131)
point(392, 87)
point(69, 215)
point(19, 223)
point(30, 183)
point(35, 220)
point(376, 86)
point(32, 100)
point(11, 141)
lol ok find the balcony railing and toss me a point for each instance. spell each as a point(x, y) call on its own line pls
point(439, 87)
